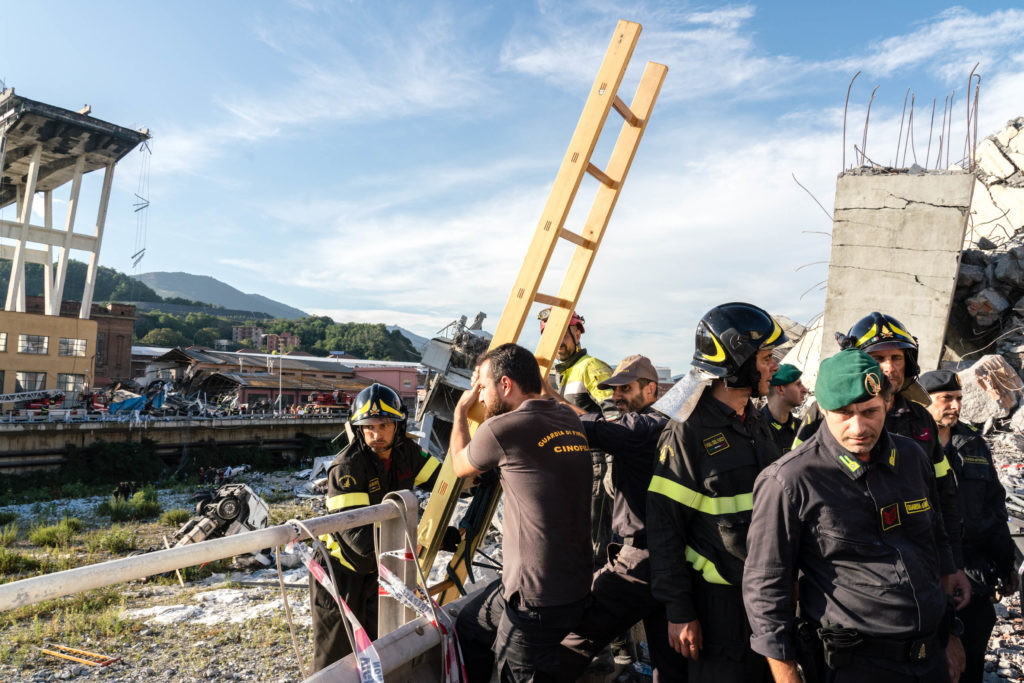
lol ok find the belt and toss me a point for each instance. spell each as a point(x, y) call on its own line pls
point(638, 542)
point(916, 650)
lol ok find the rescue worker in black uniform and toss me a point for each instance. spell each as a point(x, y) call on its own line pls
point(851, 513)
point(988, 547)
point(887, 341)
point(787, 392)
point(699, 500)
point(622, 590)
point(380, 458)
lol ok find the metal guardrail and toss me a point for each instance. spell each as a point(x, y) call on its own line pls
point(397, 515)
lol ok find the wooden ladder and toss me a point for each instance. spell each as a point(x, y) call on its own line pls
point(602, 99)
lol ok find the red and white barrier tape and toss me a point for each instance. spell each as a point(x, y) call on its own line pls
point(451, 654)
point(370, 669)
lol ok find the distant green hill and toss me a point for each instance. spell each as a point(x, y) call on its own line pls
point(213, 291)
point(111, 285)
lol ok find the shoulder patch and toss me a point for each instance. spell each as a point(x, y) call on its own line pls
point(665, 453)
point(716, 443)
point(914, 506)
point(347, 481)
point(890, 516)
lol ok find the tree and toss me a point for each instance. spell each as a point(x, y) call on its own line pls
point(164, 336)
point(206, 336)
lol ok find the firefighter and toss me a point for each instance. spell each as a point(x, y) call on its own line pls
point(887, 341)
point(850, 512)
point(579, 376)
point(988, 547)
point(698, 503)
point(543, 460)
point(380, 459)
point(621, 589)
point(787, 392)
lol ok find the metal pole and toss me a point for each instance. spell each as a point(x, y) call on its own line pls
point(80, 579)
point(395, 535)
point(410, 653)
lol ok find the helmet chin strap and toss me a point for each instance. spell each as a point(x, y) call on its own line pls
point(748, 377)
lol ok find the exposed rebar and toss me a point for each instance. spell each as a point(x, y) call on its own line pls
point(864, 140)
point(845, 107)
point(899, 139)
point(931, 127)
point(942, 133)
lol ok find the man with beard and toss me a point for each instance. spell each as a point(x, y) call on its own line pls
point(543, 460)
point(851, 514)
point(579, 381)
point(988, 547)
point(381, 458)
point(699, 502)
point(622, 587)
point(787, 393)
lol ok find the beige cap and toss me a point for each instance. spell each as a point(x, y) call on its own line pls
point(630, 369)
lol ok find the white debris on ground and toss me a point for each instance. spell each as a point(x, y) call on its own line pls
point(224, 604)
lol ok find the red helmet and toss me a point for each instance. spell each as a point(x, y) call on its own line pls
point(576, 320)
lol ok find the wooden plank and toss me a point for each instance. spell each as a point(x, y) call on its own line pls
point(602, 177)
point(619, 164)
point(567, 182)
point(625, 112)
point(578, 240)
point(570, 174)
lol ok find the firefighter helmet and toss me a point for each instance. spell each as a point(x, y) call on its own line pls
point(377, 402)
point(880, 332)
point(576, 319)
point(728, 339)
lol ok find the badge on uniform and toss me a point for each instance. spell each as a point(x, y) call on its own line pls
point(915, 506)
point(374, 485)
point(666, 452)
point(715, 443)
point(890, 516)
point(347, 481)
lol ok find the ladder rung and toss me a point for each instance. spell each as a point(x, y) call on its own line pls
point(553, 301)
point(626, 112)
point(576, 239)
point(602, 176)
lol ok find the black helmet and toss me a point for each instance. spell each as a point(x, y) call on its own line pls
point(879, 332)
point(728, 339)
point(377, 401)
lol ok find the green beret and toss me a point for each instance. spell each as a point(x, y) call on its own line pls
point(850, 376)
point(786, 374)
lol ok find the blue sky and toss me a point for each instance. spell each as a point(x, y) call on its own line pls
point(388, 161)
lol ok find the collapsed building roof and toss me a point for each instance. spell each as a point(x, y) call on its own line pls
point(64, 135)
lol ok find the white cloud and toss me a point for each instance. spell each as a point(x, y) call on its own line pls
point(948, 45)
point(417, 68)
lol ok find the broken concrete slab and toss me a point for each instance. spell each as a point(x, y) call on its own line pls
point(990, 156)
point(987, 307)
point(896, 245)
point(997, 209)
point(991, 389)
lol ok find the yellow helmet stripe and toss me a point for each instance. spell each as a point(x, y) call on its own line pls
point(388, 409)
point(719, 352)
point(869, 335)
point(365, 407)
point(898, 331)
point(776, 333)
